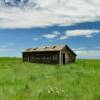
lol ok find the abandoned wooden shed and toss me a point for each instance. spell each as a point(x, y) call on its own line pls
point(59, 54)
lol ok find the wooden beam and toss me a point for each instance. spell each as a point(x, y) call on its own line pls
point(60, 58)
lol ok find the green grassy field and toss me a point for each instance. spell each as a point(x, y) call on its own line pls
point(27, 81)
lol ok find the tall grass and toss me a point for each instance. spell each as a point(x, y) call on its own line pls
point(28, 81)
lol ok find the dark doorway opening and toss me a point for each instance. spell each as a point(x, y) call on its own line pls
point(63, 58)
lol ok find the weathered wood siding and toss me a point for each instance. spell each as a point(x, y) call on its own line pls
point(49, 57)
point(69, 57)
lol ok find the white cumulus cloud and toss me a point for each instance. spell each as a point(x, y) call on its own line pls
point(41, 13)
point(73, 33)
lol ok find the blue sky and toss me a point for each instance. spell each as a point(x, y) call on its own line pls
point(45, 23)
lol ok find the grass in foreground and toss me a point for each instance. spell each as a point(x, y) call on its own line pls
point(27, 81)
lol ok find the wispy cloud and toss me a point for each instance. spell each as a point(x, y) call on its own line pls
point(41, 13)
point(88, 33)
point(98, 47)
point(87, 53)
point(35, 38)
point(74, 33)
point(53, 35)
point(7, 47)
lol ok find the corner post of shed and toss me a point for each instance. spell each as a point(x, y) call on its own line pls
point(23, 56)
point(60, 57)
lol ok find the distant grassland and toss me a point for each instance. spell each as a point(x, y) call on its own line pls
point(28, 81)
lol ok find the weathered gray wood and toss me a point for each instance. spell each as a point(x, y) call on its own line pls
point(50, 56)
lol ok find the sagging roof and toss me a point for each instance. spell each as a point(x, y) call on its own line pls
point(48, 48)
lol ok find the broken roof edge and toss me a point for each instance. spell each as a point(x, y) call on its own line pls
point(54, 47)
point(49, 48)
point(70, 50)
